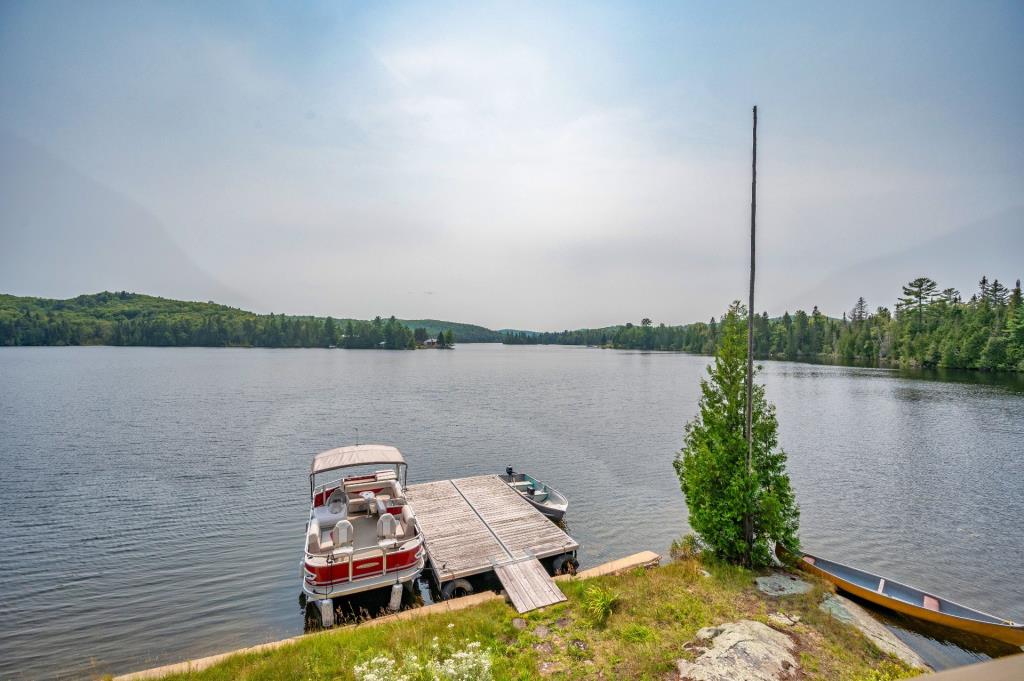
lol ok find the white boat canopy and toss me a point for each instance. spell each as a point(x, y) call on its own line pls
point(356, 455)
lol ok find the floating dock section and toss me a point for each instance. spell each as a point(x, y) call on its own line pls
point(479, 525)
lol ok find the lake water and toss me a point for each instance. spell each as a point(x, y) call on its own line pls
point(153, 500)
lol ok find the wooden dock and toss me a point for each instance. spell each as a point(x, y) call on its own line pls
point(473, 526)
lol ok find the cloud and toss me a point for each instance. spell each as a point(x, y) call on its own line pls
point(65, 234)
point(532, 166)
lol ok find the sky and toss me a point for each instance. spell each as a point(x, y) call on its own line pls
point(517, 165)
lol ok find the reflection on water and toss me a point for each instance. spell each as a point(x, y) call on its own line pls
point(940, 647)
point(154, 500)
point(1009, 381)
point(1012, 382)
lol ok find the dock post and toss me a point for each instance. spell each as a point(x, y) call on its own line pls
point(396, 597)
point(326, 613)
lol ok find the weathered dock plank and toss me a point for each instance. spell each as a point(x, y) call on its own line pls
point(470, 525)
point(457, 540)
point(521, 528)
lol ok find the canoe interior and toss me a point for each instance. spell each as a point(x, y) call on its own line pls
point(902, 592)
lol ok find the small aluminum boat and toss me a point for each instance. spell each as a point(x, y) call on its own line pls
point(545, 499)
point(911, 601)
point(361, 534)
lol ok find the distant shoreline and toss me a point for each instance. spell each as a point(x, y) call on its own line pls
point(932, 331)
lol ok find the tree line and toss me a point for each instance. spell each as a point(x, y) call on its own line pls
point(124, 318)
point(927, 327)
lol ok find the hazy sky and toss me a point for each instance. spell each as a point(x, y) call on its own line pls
point(515, 165)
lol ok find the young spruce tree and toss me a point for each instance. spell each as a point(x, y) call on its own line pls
point(712, 466)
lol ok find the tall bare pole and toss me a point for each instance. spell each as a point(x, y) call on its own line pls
point(748, 528)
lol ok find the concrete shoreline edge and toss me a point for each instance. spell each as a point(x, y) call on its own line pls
point(644, 559)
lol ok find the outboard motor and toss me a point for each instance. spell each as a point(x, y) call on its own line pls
point(508, 471)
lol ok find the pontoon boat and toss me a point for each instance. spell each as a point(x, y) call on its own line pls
point(361, 533)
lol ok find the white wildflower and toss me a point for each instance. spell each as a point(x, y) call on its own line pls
point(472, 663)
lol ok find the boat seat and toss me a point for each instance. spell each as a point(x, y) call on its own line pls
point(931, 603)
point(335, 509)
point(313, 537)
point(387, 531)
point(342, 535)
point(338, 539)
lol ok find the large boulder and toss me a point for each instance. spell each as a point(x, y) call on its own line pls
point(741, 651)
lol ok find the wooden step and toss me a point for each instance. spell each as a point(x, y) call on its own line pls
point(528, 584)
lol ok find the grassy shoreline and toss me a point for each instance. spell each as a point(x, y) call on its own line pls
point(633, 625)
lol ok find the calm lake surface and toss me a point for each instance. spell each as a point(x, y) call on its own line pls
point(154, 500)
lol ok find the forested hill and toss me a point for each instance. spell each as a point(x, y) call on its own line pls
point(465, 333)
point(135, 319)
point(927, 327)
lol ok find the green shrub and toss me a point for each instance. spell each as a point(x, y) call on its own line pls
point(685, 548)
point(598, 603)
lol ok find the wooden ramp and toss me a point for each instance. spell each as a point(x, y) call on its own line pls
point(528, 585)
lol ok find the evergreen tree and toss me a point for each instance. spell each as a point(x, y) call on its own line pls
point(330, 332)
point(720, 491)
point(860, 311)
point(998, 293)
point(918, 293)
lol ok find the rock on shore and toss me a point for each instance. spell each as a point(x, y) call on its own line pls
point(741, 651)
point(845, 610)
